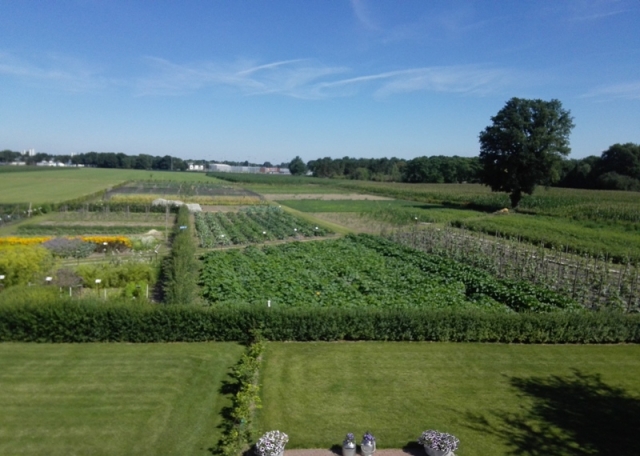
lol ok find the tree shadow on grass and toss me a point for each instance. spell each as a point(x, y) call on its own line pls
point(573, 415)
point(230, 387)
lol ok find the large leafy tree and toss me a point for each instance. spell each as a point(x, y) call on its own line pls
point(297, 166)
point(524, 146)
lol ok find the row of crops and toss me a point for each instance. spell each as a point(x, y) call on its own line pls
point(362, 271)
point(252, 225)
point(77, 230)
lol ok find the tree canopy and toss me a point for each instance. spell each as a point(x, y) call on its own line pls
point(297, 166)
point(524, 146)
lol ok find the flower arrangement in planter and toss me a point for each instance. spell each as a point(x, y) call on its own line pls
point(368, 444)
point(438, 443)
point(349, 445)
point(271, 443)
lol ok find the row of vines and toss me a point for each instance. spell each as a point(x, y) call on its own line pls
point(595, 282)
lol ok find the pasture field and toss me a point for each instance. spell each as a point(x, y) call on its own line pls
point(59, 185)
point(395, 212)
point(108, 399)
point(598, 205)
point(497, 399)
point(594, 205)
point(321, 205)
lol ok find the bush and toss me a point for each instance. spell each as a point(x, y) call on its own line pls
point(117, 275)
point(180, 267)
point(21, 264)
point(66, 320)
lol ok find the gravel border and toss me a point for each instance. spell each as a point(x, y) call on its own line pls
point(380, 452)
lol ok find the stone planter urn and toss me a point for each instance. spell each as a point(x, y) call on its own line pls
point(432, 452)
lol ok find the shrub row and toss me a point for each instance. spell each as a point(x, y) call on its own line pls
point(63, 320)
point(244, 388)
point(180, 267)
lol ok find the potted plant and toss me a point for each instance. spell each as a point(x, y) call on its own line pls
point(349, 445)
point(438, 443)
point(368, 444)
point(272, 443)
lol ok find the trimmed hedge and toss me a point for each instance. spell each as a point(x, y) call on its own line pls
point(180, 268)
point(238, 422)
point(98, 321)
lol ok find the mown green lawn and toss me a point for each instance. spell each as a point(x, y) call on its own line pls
point(54, 186)
point(112, 399)
point(497, 399)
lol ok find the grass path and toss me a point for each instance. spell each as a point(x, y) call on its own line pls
point(498, 399)
point(112, 399)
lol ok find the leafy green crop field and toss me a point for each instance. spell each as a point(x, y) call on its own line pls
point(561, 400)
point(360, 271)
point(108, 399)
point(63, 184)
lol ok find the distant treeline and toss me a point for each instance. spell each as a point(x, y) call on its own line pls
point(618, 168)
point(115, 160)
point(421, 169)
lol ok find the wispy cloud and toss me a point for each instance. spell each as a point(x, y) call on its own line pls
point(627, 91)
point(311, 80)
point(56, 71)
point(595, 10)
point(463, 79)
point(287, 77)
point(363, 14)
point(297, 78)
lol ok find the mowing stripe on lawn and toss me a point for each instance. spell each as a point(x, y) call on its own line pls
point(112, 399)
point(496, 398)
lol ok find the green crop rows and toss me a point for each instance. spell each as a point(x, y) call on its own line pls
point(76, 230)
point(251, 226)
point(361, 271)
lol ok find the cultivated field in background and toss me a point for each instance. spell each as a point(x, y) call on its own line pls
point(58, 185)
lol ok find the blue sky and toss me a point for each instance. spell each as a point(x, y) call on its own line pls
point(269, 80)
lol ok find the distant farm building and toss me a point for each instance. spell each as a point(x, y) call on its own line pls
point(195, 167)
point(222, 168)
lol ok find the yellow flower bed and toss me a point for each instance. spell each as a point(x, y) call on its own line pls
point(16, 240)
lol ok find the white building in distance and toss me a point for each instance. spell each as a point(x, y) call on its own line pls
point(222, 168)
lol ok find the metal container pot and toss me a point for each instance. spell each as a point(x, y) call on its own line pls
point(349, 449)
point(367, 450)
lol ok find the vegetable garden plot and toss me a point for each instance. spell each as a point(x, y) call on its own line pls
point(251, 226)
point(361, 271)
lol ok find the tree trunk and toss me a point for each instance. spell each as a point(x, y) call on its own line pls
point(515, 196)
